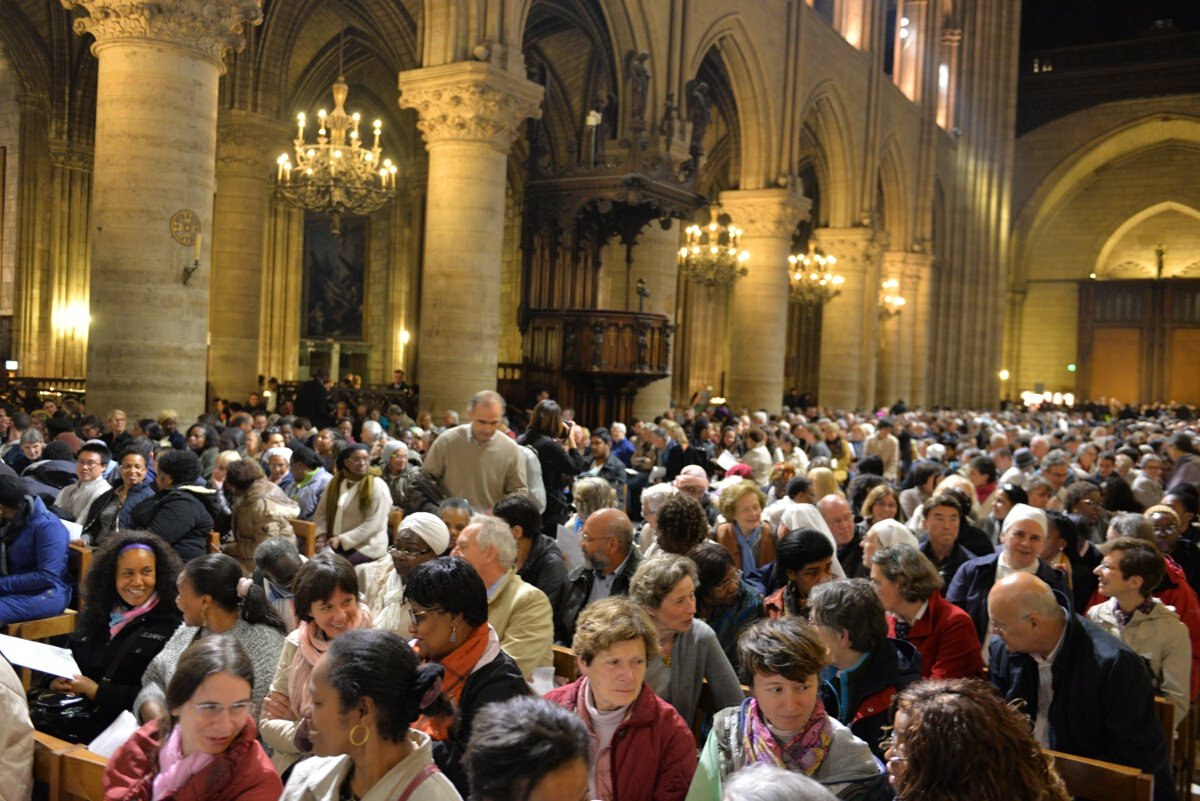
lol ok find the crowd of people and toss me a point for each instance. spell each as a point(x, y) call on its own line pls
point(808, 604)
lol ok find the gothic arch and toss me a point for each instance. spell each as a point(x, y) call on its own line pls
point(25, 50)
point(824, 119)
point(893, 178)
point(1150, 211)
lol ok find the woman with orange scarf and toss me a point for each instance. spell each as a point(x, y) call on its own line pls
point(448, 605)
point(327, 606)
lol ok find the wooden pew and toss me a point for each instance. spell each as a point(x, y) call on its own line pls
point(395, 518)
point(1164, 710)
point(47, 762)
point(81, 776)
point(1094, 780)
point(565, 663)
point(79, 562)
point(43, 629)
point(306, 533)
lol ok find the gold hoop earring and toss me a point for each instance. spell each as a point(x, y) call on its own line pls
point(366, 735)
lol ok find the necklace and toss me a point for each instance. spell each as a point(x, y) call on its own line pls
point(666, 660)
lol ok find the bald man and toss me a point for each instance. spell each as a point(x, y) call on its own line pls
point(609, 562)
point(1087, 692)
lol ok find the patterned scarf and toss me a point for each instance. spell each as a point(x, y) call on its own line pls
point(120, 617)
point(804, 753)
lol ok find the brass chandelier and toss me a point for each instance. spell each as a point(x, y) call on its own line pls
point(713, 255)
point(811, 279)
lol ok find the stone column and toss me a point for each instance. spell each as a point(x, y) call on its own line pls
point(470, 113)
point(895, 355)
point(70, 192)
point(768, 218)
point(247, 145)
point(850, 321)
point(918, 288)
point(156, 125)
point(655, 260)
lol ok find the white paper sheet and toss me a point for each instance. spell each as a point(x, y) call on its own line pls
point(112, 738)
point(726, 460)
point(568, 543)
point(39, 656)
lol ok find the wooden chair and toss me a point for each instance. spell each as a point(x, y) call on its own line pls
point(47, 762)
point(306, 532)
point(81, 776)
point(45, 628)
point(214, 542)
point(1164, 710)
point(1094, 780)
point(395, 517)
point(565, 663)
point(1185, 754)
point(79, 562)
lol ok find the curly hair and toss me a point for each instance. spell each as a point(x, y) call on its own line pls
point(682, 524)
point(950, 723)
point(100, 583)
point(1077, 492)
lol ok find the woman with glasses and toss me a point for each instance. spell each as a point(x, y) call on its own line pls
point(352, 514)
point(204, 745)
point(327, 605)
point(940, 729)
point(420, 538)
point(448, 610)
point(113, 511)
point(723, 599)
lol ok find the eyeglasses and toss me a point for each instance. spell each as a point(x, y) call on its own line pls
point(211, 711)
point(406, 554)
point(358, 459)
point(733, 581)
point(999, 629)
point(88, 464)
point(419, 617)
point(585, 537)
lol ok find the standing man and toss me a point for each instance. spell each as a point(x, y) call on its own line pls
point(886, 447)
point(312, 399)
point(473, 461)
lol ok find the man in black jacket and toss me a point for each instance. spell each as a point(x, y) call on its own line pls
point(1100, 702)
point(609, 563)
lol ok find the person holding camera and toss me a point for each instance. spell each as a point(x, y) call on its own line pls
point(559, 449)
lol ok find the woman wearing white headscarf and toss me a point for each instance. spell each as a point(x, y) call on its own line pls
point(885, 534)
point(420, 538)
point(806, 515)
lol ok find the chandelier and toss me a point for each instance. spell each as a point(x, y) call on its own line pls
point(811, 280)
point(712, 254)
point(337, 174)
point(891, 302)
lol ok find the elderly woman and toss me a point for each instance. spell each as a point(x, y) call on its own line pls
point(278, 463)
point(354, 509)
point(1147, 486)
point(367, 692)
point(130, 614)
point(261, 510)
point(396, 471)
point(202, 441)
point(643, 749)
point(1024, 537)
point(885, 534)
point(783, 722)
point(216, 598)
point(34, 580)
point(326, 601)
point(205, 746)
point(908, 584)
point(448, 607)
point(653, 499)
point(749, 542)
point(940, 730)
point(421, 537)
point(689, 651)
point(882, 503)
point(723, 599)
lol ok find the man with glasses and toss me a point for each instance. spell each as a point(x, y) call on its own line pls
point(1086, 691)
point(77, 499)
point(609, 563)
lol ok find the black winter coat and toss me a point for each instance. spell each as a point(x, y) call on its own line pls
point(179, 517)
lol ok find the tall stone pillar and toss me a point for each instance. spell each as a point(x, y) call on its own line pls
point(894, 354)
point(70, 193)
point(768, 218)
point(247, 144)
point(156, 126)
point(470, 113)
point(850, 321)
point(918, 288)
point(655, 259)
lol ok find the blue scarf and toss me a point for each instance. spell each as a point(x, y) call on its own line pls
point(748, 545)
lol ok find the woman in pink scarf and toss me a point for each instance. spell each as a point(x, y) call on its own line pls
point(326, 599)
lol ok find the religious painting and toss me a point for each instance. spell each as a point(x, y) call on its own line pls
point(335, 269)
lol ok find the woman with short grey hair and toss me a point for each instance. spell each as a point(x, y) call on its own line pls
point(763, 782)
point(665, 586)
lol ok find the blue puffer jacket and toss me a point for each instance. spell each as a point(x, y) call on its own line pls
point(35, 559)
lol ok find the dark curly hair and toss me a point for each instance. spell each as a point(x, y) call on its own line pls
point(100, 583)
point(682, 524)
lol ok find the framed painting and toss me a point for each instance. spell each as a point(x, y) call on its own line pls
point(335, 270)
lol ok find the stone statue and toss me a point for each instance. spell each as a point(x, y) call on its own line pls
point(666, 126)
point(638, 75)
point(699, 115)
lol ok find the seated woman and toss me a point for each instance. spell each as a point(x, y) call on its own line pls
point(353, 512)
point(665, 586)
point(527, 748)
point(420, 538)
point(326, 601)
point(396, 471)
point(682, 525)
point(205, 745)
point(16, 742)
point(366, 693)
point(539, 561)
point(643, 749)
point(310, 477)
point(174, 513)
point(113, 512)
point(940, 731)
point(130, 614)
point(219, 504)
point(448, 606)
point(882, 503)
point(216, 598)
point(652, 500)
point(749, 542)
point(326, 444)
point(278, 463)
point(1003, 500)
point(34, 584)
point(783, 722)
point(723, 599)
point(908, 585)
point(885, 534)
point(260, 510)
point(202, 441)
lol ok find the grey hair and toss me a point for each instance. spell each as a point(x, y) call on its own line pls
point(658, 575)
point(851, 606)
point(487, 396)
point(1130, 524)
point(272, 549)
point(495, 533)
point(1056, 458)
point(371, 430)
point(1148, 458)
point(591, 495)
point(31, 435)
point(910, 570)
point(763, 782)
point(654, 497)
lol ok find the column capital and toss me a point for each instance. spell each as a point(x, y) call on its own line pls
point(71, 155)
point(770, 213)
point(855, 248)
point(470, 102)
point(208, 28)
point(247, 142)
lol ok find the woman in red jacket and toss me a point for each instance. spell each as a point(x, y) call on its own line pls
point(643, 749)
point(205, 748)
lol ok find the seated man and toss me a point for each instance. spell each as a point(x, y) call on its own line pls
point(609, 563)
point(539, 561)
point(1087, 693)
point(942, 520)
point(78, 499)
point(869, 668)
point(519, 612)
point(33, 553)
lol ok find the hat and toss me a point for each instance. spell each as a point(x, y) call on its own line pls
point(430, 528)
point(1024, 458)
point(893, 532)
point(742, 470)
point(167, 414)
point(1023, 511)
point(691, 476)
point(936, 452)
point(12, 491)
point(390, 448)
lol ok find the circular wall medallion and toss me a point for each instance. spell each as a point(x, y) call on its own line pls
point(185, 225)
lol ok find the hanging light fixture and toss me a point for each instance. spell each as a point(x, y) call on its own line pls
point(337, 174)
point(713, 255)
point(811, 279)
point(891, 302)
